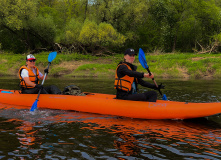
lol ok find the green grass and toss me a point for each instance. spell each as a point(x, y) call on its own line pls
point(196, 65)
point(94, 69)
point(72, 57)
point(176, 65)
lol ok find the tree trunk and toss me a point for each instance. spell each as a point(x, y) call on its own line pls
point(85, 11)
point(174, 44)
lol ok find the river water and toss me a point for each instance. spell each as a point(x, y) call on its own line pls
point(57, 134)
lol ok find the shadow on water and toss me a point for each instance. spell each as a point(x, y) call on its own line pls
point(57, 134)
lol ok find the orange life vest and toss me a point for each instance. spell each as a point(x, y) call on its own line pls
point(33, 78)
point(124, 83)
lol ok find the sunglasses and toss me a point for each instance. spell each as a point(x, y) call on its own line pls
point(33, 60)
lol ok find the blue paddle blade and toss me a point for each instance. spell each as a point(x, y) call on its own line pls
point(164, 97)
point(6, 92)
point(34, 106)
point(142, 59)
point(52, 56)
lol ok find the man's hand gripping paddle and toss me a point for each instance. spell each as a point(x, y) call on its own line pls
point(143, 62)
point(51, 57)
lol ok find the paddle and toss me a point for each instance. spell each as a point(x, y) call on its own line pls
point(143, 62)
point(51, 57)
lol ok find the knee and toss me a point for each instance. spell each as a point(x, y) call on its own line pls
point(151, 93)
point(154, 93)
point(151, 96)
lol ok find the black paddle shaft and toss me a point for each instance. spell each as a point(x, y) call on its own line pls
point(43, 81)
point(148, 70)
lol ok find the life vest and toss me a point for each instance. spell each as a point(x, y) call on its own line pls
point(124, 83)
point(33, 78)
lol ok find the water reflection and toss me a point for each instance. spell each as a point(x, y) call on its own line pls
point(58, 134)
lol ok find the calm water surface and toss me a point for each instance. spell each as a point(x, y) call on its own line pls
point(56, 134)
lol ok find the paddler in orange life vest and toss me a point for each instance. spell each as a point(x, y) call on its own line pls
point(127, 78)
point(29, 79)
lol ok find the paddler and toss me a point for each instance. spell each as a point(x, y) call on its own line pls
point(127, 78)
point(30, 75)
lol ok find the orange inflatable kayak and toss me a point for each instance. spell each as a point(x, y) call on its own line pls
point(108, 105)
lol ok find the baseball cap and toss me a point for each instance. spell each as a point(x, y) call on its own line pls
point(30, 57)
point(130, 52)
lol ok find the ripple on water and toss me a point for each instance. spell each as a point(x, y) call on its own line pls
point(55, 134)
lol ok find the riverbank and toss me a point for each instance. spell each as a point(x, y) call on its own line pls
point(164, 65)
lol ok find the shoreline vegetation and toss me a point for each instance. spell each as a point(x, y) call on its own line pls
point(162, 65)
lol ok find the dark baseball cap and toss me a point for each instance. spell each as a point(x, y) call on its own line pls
point(130, 52)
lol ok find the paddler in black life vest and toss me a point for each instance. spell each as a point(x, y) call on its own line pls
point(127, 78)
point(30, 75)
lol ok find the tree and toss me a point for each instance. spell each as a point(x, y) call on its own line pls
point(109, 37)
point(184, 23)
point(19, 19)
point(89, 34)
point(90, 25)
point(15, 13)
point(102, 36)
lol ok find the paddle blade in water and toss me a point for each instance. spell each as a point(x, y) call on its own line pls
point(34, 106)
point(142, 59)
point(164, 97)
point(52, 56)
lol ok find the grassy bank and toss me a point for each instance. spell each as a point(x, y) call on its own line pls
point(165, 65)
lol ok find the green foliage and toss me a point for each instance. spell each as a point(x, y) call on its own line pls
point(10, 42)
point(44, 27)
point(182, 23)
point(72, 32)
point(23, 28)
point(165, 25)
point(52, 13)
point(16, 13)
point(103, 34)
point(108, 36)
point(89, 33)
